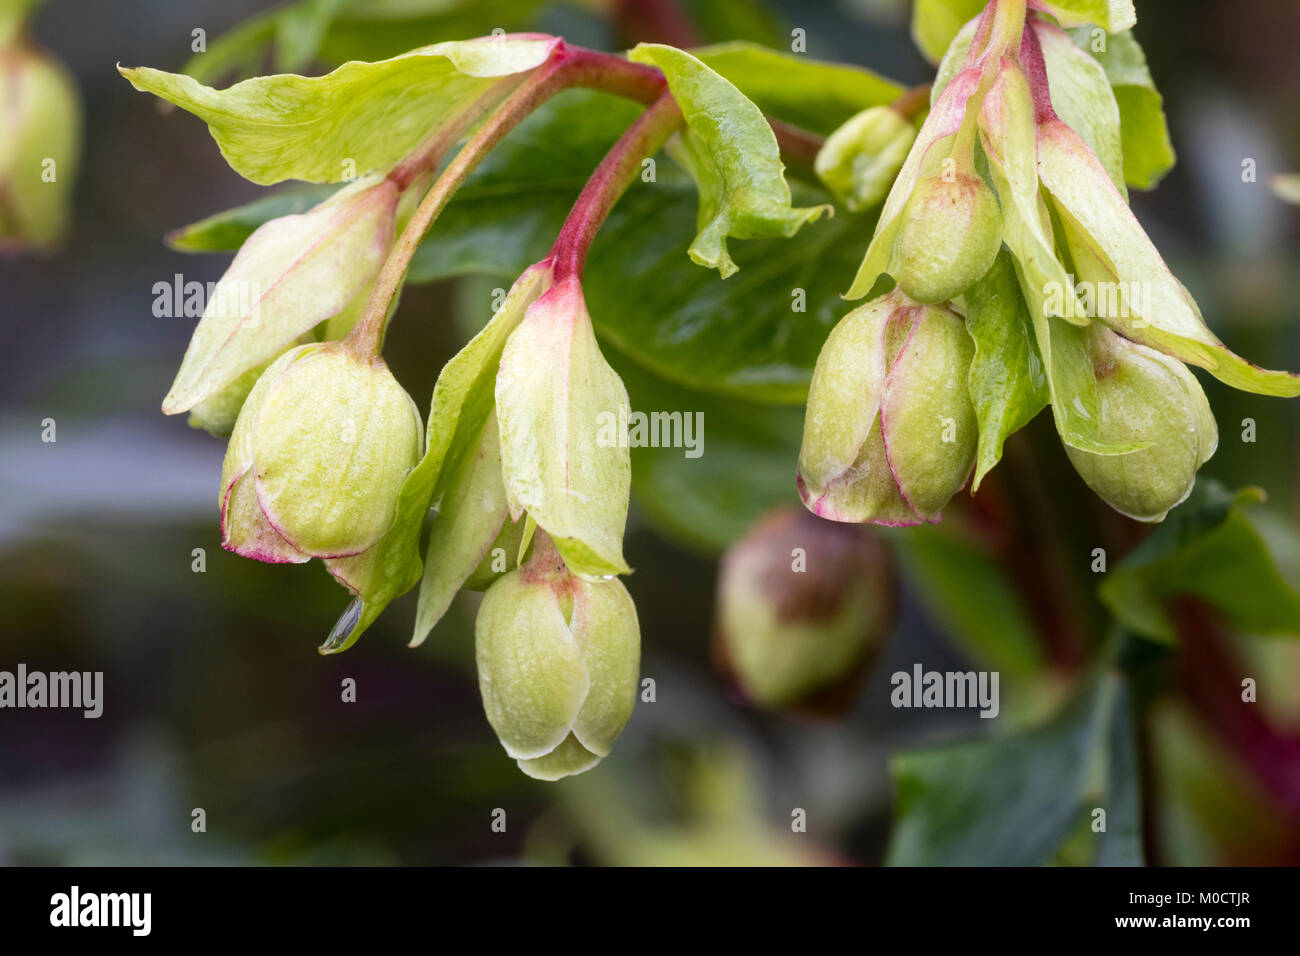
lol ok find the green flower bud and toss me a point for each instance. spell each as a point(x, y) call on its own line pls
point(950, 235)
point(861, 159)
point(40, 138)
point(1144, 395)
point(558, 662)
point(803, 605)
point(318, 457)
point(890, 432)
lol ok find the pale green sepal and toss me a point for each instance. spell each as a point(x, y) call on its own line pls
point(1083, 98)
point(1150, 397)
point(40, 138)
point(471, 515)
point(291, 274)
point(859, 161)
point(604, 624)
point(1111, 15)
point(530, 669)
point(559, 404)
point(566, 760)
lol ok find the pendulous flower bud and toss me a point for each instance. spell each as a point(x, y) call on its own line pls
point(860, 160)
point(1144, 395)
point(950, 235)
point(803, 606)
point(558, 663)
point(40, 133)
point(890, 433)
point(318, 457)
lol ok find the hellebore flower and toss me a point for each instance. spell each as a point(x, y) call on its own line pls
point(801, 634)
point(40, 134)
point(290, 275)
point(317, 457)
point(890, 433)
point(1145, 396)
point(859, 161)
point(558, 664)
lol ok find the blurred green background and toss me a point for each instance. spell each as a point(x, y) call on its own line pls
point(215, 697)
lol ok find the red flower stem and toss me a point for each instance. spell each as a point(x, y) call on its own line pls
point(568, 67)
point(610, 180)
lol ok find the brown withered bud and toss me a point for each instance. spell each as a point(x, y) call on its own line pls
point(804, 605)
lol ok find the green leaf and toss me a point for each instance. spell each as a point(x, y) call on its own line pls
point(936, 22)
point(731, 152)
point(809, 93)
point(1016, 800)
point(1148, 151)
point(970, 598)
point(462, 401)
point(1111, 15)
point(1212, 549)
point(359, 118)
point(300, 30)
point(741, 467)
point(1008, 385)
point(226, 231)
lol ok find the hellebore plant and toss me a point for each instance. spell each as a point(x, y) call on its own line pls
point(1001, 209)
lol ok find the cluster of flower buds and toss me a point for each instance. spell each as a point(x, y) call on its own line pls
point(803, 608)
point(40, 134)
point(897, 407)
point(329, 457)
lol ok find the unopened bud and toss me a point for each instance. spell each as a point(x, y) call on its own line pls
point(890, 432)
point(803, 605)
point(1145, 396)
point(558, 662)
point(951, 233)
point(40, 133)
point(321, 448)
point(860, 160)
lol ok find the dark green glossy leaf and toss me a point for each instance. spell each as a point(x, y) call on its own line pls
point(965, 590)
point(741, 466)
point(1021, 799)
point(808, 93)
point(226, 231)
point(1213, 549)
